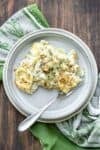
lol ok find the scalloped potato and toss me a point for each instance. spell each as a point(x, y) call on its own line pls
point(48, 67)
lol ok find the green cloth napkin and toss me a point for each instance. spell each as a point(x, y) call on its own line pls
point(82, 129)
point(51, 138)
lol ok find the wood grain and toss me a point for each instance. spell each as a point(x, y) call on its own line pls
point(81, 17)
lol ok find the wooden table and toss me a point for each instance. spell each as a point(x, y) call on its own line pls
point(81, 17)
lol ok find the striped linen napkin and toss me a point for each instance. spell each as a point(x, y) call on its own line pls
point(82, 129)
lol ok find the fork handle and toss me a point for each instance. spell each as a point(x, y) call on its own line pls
point(31, 119)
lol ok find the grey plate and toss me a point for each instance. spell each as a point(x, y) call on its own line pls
point(61, 109)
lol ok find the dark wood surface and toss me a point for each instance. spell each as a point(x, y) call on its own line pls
point(81, 17)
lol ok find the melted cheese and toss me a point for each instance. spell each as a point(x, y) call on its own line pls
point(49, 67)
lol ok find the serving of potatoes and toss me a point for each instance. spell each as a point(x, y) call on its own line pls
point(48, 67)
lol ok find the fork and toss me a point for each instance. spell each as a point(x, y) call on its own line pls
point(31, 119)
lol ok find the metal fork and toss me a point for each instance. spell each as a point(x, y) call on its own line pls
point(31, 119)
